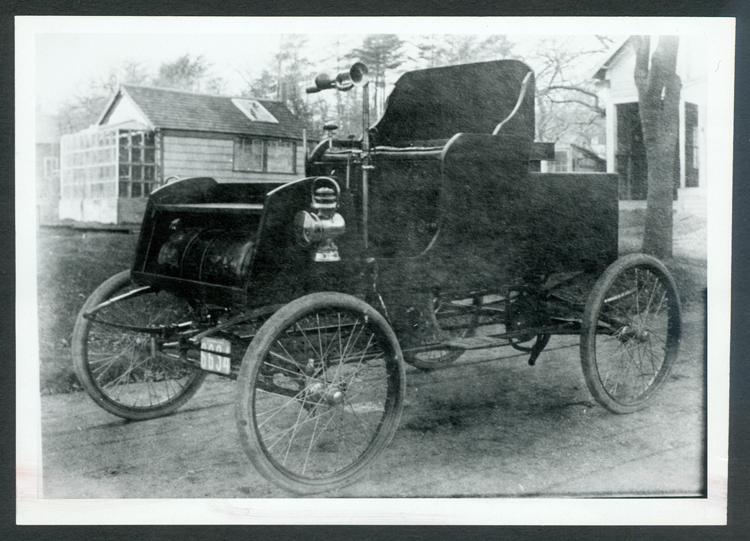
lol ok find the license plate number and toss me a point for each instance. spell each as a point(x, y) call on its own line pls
point(215, 355)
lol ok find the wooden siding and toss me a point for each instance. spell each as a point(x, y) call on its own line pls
point(211, 156)
point(622, 80)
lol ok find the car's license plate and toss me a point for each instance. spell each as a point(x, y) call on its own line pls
point(216, 355)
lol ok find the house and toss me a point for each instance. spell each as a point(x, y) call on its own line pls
point(147, 135)
point(626, 153)
point(47, 167)
point(574, 158)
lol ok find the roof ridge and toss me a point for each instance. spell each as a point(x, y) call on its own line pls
point(181, 109)
point(206, 94)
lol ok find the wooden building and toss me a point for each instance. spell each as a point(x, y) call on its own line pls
point(626, 153)
point(570, 158)
point(146, 135)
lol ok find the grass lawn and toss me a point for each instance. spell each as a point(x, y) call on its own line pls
point(71, 264)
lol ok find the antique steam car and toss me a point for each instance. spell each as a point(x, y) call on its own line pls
point(430, 235)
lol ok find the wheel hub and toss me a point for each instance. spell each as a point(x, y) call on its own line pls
point(632, 333)
point(320, 393)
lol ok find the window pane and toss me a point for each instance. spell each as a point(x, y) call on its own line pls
point(148, 172)
point(248, 155)
point(136, 155)
point(123, 189)
point(137, 172)
point(149, 155)
point(146, 189)
point(136, 189)
point(150, 139)
point(561, 162)
point(280, 156)
point(124, 172)
point(137, 139)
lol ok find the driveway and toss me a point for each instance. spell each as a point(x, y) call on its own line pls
point(489, 425)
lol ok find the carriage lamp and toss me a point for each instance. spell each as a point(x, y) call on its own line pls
point(321, 224)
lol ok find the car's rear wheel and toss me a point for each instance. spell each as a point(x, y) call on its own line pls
point(631, 332)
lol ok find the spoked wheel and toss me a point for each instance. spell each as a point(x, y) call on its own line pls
point(446, 319)
point(630, 333)
point(320, 394)
point(125, 353)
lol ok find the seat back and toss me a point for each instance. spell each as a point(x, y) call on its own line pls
point(434, 104)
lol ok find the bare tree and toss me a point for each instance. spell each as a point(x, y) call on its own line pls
point(185, 73)
point(659, 89)
point(451, 49)
point(84, 107)
point(567, 105)
point(286, 76)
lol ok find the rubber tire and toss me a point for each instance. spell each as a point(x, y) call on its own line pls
point(110, 288)
point(248, 382)
point(591, 314)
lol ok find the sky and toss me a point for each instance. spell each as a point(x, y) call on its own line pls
point(63, 54)
point(67, 62)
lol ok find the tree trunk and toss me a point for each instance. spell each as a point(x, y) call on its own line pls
point(659, 104)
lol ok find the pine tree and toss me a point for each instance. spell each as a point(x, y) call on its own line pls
point(380, 52)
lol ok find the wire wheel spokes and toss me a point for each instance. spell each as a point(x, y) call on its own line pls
point(133, 374)
point(336, 362)
point(326, 396)
point(631, 333)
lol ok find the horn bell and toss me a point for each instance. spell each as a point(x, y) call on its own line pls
point(346, 80)
point(358, 74)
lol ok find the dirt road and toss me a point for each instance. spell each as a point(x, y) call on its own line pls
point(484, 427)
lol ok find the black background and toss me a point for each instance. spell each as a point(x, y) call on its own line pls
point(739, 430)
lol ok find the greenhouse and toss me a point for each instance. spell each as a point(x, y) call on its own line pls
point(99, 167)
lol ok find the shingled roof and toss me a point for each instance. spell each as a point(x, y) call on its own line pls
point(179, 110)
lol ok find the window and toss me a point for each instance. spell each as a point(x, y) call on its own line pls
point(89, 164)
point(51, 167)
point(280, 156)
point(560, 165)
point(254, 110)
point(265, 156)
point(137, 167)
point(108, 163)
point(248, 155)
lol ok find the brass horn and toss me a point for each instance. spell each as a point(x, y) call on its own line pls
point(346, 80)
